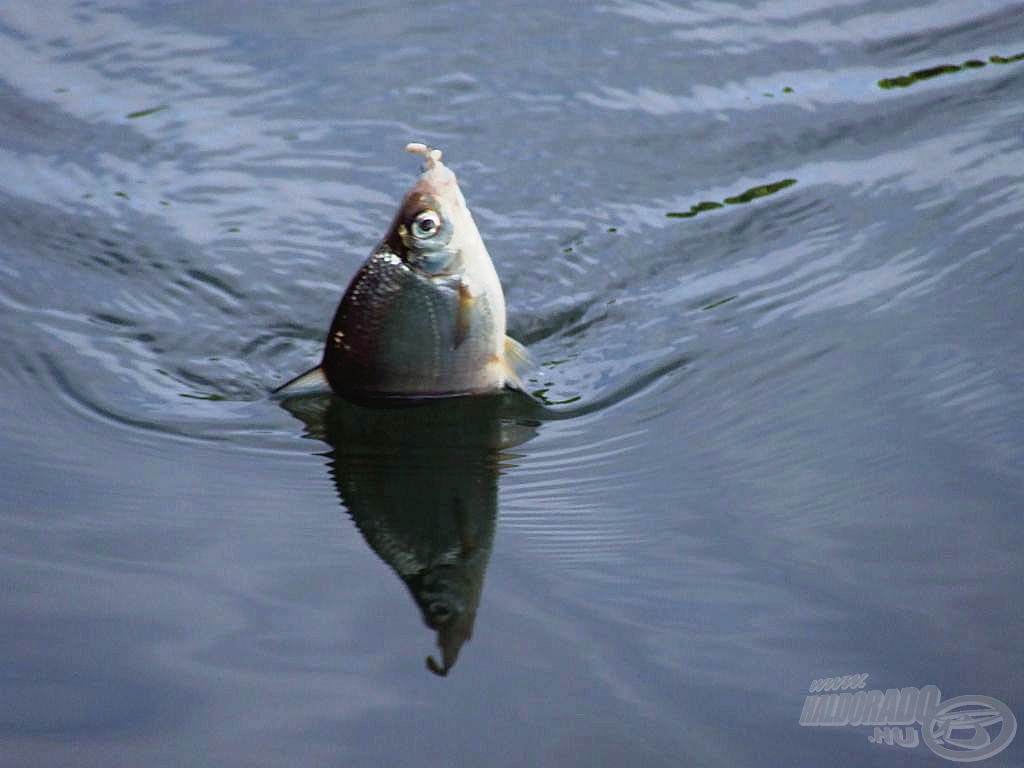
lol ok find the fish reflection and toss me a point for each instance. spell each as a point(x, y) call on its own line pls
point(421, 484)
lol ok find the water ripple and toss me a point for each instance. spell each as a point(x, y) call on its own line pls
point(219, 222)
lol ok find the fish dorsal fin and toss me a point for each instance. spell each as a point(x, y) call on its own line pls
point(313, 380)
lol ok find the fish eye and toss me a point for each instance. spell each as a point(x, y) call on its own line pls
point(426, 224)
point(439, 611)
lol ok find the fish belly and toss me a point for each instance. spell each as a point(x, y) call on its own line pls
point(399, 332)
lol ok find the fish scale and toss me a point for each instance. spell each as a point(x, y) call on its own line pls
point(398, 335)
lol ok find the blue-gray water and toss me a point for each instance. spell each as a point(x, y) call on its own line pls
point(785, 433)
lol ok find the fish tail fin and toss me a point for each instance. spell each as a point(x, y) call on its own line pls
point(518, 362)
point(313, 380)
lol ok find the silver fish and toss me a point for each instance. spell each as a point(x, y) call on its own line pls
point(425, 314)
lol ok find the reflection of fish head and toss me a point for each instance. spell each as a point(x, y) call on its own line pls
point(448, 594)
point(425, 314)
point(421, 484)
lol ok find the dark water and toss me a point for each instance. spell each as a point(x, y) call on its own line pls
point(784, 439)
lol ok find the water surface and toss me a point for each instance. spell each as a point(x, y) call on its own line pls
point(767, 256)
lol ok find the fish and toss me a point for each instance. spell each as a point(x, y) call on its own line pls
point(425, 314)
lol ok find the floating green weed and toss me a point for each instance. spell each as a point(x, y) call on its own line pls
point(762, 191)
point(905, 81)
point(1006, 59)
point(753, 193)
point(146, 112)
point(706, 205)
point(718, 303)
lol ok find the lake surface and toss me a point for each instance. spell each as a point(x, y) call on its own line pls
point(768, 257)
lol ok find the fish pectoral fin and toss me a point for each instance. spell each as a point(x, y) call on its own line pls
point(464, 313)
point(517, 364)
point(313, 380)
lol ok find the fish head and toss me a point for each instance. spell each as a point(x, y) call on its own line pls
point(433, 230)
point(448, 596)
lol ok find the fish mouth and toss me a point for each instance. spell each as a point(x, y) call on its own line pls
point(436, 179)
